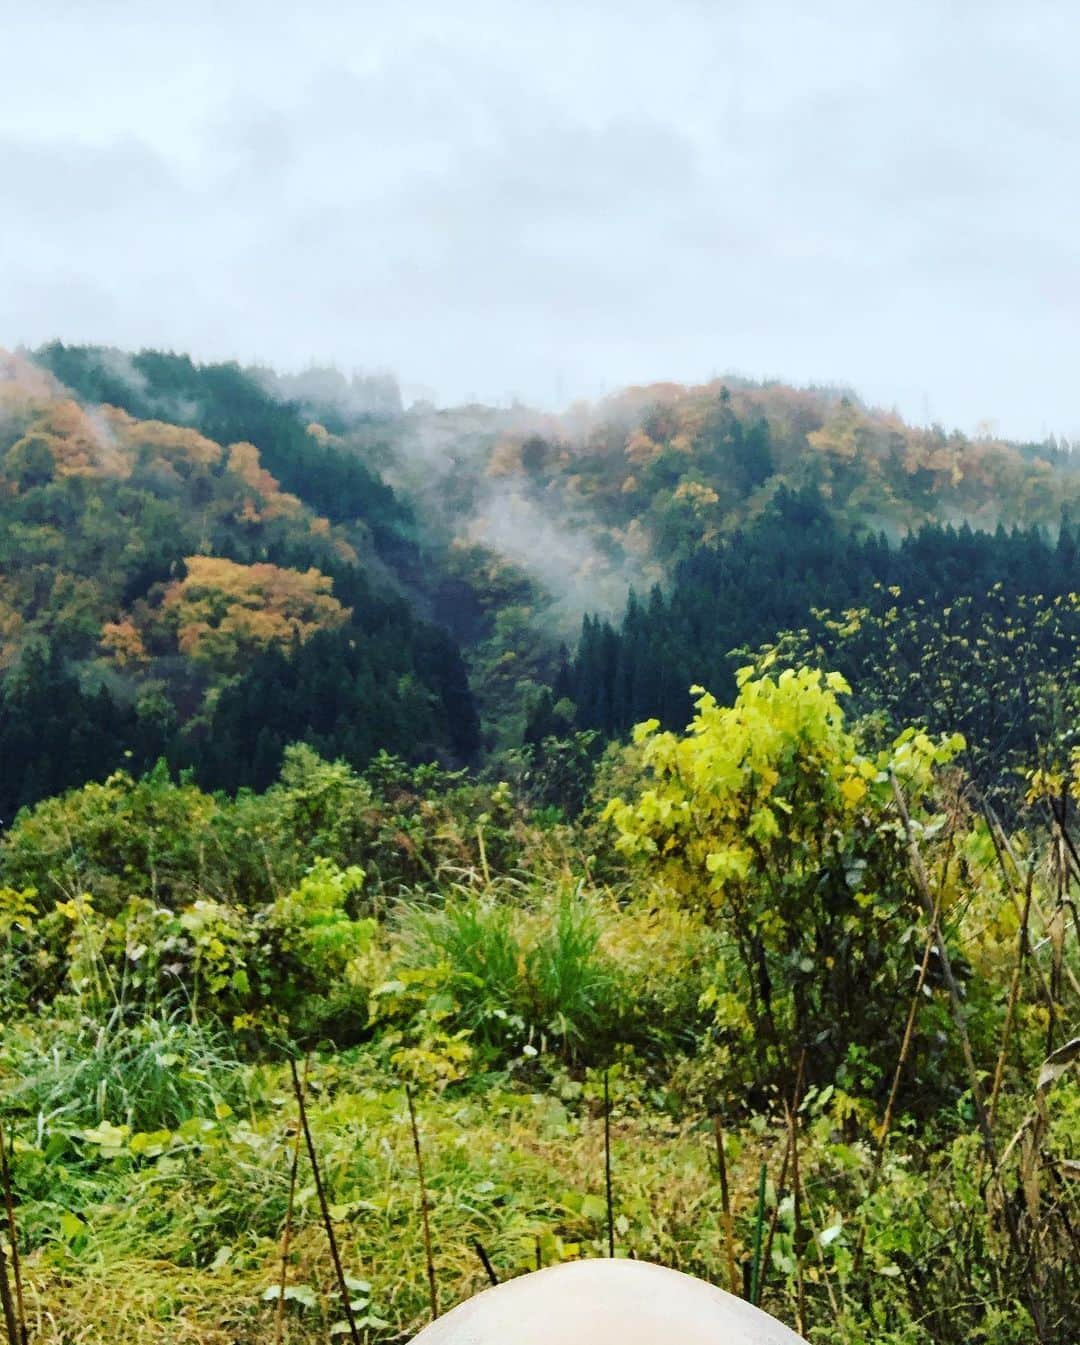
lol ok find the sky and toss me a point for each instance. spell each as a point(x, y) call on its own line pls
point(549, 201)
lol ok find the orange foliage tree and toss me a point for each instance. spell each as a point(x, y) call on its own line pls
point(223, 612)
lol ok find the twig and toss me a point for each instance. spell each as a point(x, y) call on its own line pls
point(1014, 995)
point(725, 1198)
point(796, 1099)
point(13, 1234)
point(1067, 840)
point(433, 1290)
point(485, 1261)
point(13, 1332)
point(286, 1236)
point(483, 855)
point(759, 1219)
point(328, 1223)
point(607, 1169)
point(767, 1258)
point(890, 1106)
point(837, 1316)
point(1002, 847)
point(922, 885)
point(793, 1128)
point(1038, 1316)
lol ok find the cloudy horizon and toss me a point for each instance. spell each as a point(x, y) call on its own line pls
point(550, 203)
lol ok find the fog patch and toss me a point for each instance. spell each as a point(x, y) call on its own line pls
point(325, 387)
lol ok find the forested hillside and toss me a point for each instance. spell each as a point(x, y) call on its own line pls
point(175, 535)
point(967, 631)
point(735, 513)
point(156, 583)
point(640, 481)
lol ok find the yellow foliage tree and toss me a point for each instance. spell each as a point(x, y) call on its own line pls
point(223, 612)
point(73, 443)
point(176, 444)
point(767, 814)
point(841, 435)
point(244, 462)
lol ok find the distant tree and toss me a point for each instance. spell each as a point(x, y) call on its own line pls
point(223, 612)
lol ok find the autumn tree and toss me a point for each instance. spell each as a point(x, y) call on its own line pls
point(223, 612)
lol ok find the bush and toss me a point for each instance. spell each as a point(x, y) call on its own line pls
point(576, 993)
point(768, 818)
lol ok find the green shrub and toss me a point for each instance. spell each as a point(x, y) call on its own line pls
point(576, 993)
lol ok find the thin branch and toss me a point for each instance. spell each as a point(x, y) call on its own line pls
point(483, 855)
point(485, 1261)
point(1014, 995)
point(328, 1223)
point(429, 1257)
point(890, 1106)
point(1002, 847)
point(607, 1169)
point(6, 1301)
point(837, 1315)
point(759, 1219)
point(922, 885)
point(13, 1235)
point(725, 1198)
point(775, 1218)
point(793, 1130)
point(796, 1099)
point(286, 1236)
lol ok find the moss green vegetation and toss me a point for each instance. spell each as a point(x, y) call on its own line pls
point(771, 930)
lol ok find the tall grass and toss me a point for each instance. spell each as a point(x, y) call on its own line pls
point(152, 1074)
point(577, 994)
point(520, 976)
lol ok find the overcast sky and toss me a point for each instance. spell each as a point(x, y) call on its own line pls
point(549, 200)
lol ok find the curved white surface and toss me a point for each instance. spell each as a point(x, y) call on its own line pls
point(606, 1303)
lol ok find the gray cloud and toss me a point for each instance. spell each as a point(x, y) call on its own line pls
point(554, 200)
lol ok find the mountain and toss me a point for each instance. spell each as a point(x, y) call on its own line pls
point(207, 562)
point(153, 580)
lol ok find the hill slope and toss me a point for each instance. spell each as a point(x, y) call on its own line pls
point(147, 571)
point(177, 535)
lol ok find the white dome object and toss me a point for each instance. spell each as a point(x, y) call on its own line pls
point(605, 1302)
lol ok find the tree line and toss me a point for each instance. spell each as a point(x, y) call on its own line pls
point(964, 630)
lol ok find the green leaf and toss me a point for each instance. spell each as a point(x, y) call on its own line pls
point(303, 1294)
point(593, 1207)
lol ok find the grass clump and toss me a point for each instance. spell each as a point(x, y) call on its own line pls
point(150, 1074)
point(519, 977)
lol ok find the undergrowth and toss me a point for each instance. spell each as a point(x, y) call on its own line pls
point(783, 946)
